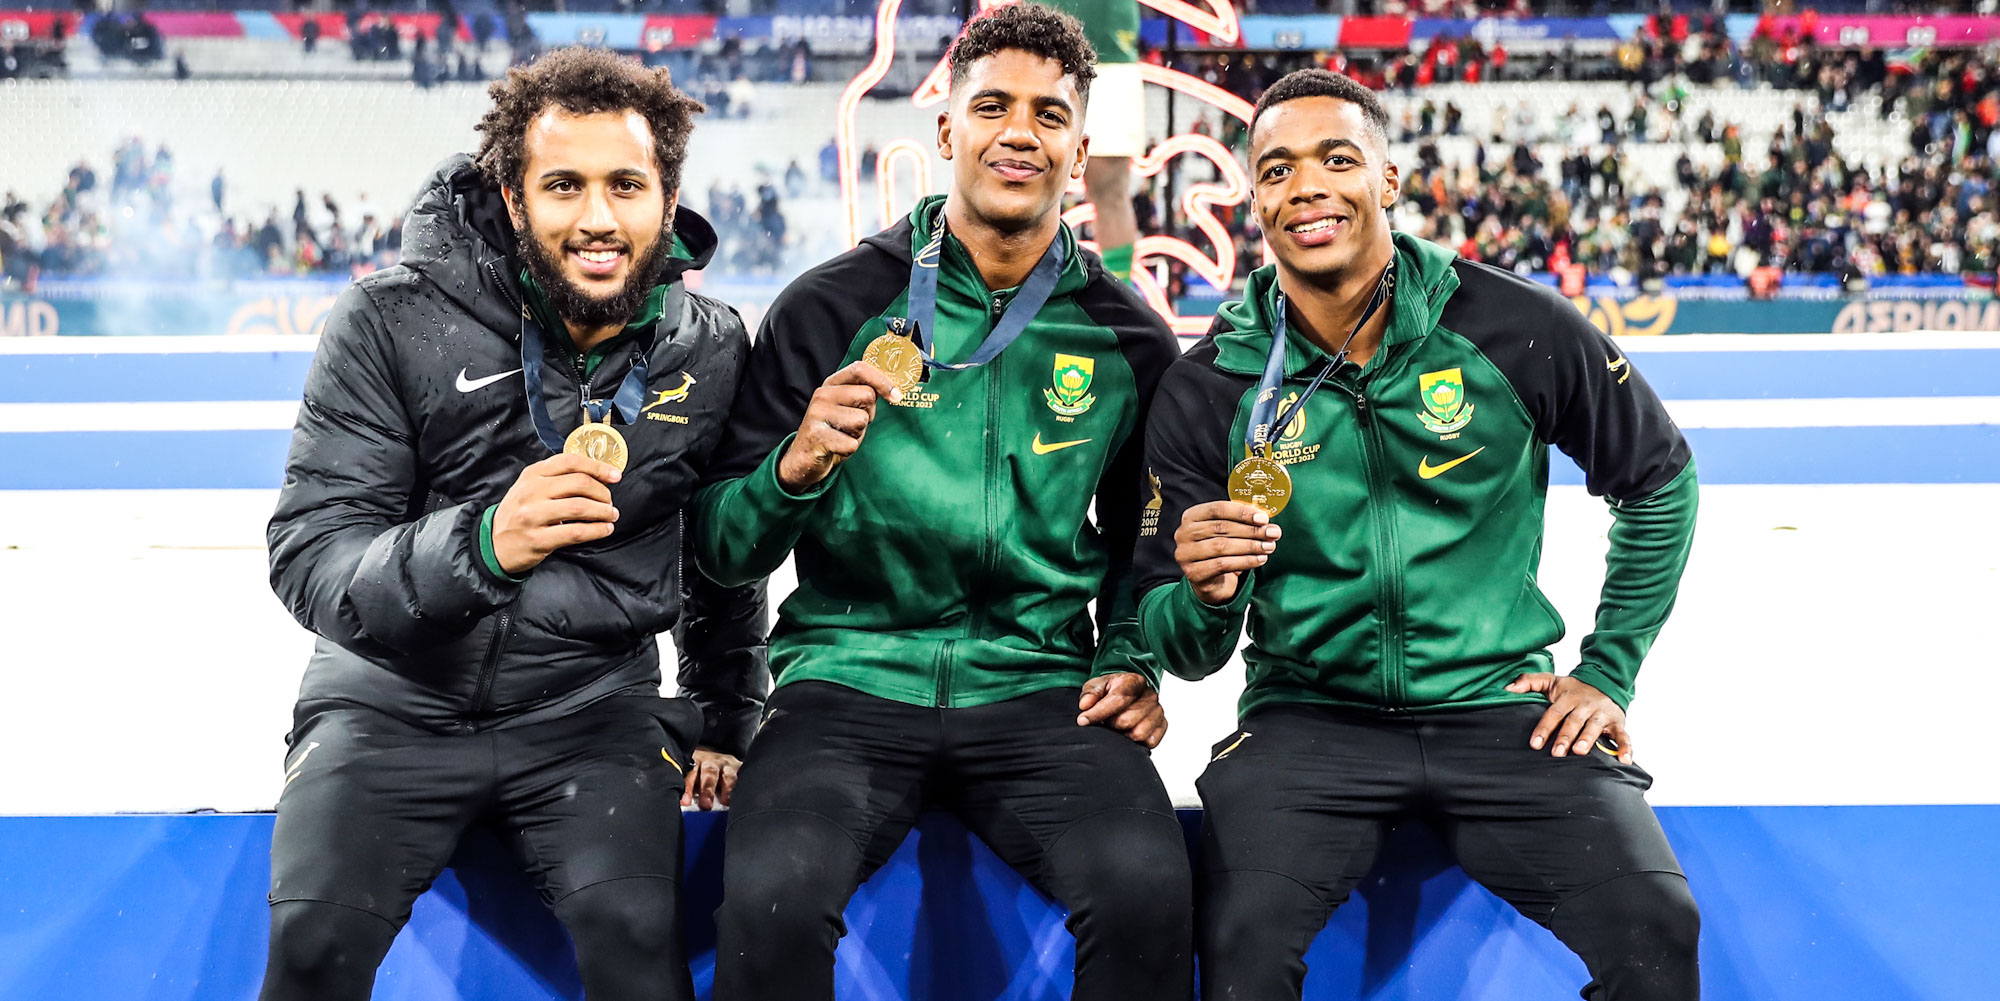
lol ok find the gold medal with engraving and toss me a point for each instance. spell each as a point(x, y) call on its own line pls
point(1261, 483)
point(597, 441)
point(898, 358)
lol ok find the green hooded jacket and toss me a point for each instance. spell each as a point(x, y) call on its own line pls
point(952, 560)
point(1405, 579)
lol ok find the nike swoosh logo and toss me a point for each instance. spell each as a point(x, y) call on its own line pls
point(1428, 471)
point(1041, 449)
point(466, 385)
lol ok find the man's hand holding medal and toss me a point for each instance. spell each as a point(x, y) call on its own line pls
point(834, 424)
point(560, 501)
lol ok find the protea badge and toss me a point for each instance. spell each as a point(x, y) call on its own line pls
point(1069, 395)
point(1446, 409)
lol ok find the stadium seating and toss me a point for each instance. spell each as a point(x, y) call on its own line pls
point(349, 136)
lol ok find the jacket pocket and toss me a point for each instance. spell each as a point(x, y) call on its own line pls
point(680, 718)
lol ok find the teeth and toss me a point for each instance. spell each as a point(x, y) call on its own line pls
point(598, 256)
point(1315, 227)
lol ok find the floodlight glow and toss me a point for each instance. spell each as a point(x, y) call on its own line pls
point(885, 174)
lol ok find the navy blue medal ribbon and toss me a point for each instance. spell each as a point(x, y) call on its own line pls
point(1034, 294)
point(1264, 419)
point(630, 397)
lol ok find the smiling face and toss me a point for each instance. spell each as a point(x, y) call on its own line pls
point(1322, 181)
point(593, 219)
point(1014, 136)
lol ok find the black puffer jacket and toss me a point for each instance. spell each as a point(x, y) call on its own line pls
point(415, 420)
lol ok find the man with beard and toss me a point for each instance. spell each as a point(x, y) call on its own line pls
point(1355, 458)
point(939, 650)
point(482, 521)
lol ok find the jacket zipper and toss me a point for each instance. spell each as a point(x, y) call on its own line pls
point(502, 627)
point(1388, 576)
point(988, 540)
point(943, 665)
point(680, 559)
point(500, 282)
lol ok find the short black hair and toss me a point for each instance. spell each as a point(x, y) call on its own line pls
point(1326, 83)
point(583, 81)
point(1034, 29)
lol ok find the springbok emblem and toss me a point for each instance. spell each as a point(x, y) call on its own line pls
point(674, 395)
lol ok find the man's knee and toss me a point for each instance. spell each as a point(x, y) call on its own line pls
point(321, 950)
point(787, 873)
point(637, 916)
point(1127, 871)
point(1645, 916)
point(1256, 920)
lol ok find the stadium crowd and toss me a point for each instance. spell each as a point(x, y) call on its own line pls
point(1732, 207)
point(1795, 204)
point(132, 225)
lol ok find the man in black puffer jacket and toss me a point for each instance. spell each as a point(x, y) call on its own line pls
point(486, 599)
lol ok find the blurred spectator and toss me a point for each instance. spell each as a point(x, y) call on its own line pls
point(741, 94)
point(829, 164)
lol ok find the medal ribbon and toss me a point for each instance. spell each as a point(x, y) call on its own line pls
point(923, 301)
point(1263, 416)
point(631, 393)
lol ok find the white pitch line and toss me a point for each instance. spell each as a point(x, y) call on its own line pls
point(279, 415)
point(230, 415)
point(1852, 412)
point(207, 344)
point(1922, 340)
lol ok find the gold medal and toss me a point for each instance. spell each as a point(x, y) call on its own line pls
point(898, 358)
point(597, 441)
point(1261, 483)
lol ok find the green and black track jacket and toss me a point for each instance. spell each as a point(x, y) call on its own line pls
point(951, 561)
point(1405, 579)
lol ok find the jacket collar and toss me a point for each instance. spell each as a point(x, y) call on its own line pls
point(1425, 281)
point(956, 271)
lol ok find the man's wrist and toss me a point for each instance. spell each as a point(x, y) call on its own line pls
point(790, 485)
point(792, 482)
point(489, 557)
point(1597, 677)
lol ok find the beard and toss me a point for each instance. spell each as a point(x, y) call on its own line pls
point(574, 305)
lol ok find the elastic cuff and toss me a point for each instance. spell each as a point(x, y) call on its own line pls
point(1232, 607)
point(1600, 678)
point(487, 560)
point(770, 473)
point(1146, 668)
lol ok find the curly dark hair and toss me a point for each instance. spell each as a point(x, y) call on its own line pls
point(1034, 29)
point(1326, 83)
point(583, 81)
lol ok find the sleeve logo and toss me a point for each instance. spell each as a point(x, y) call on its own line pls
point(1149, 516)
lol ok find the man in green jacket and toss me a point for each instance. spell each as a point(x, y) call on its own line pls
point(935, 491)
point(1355, 458)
